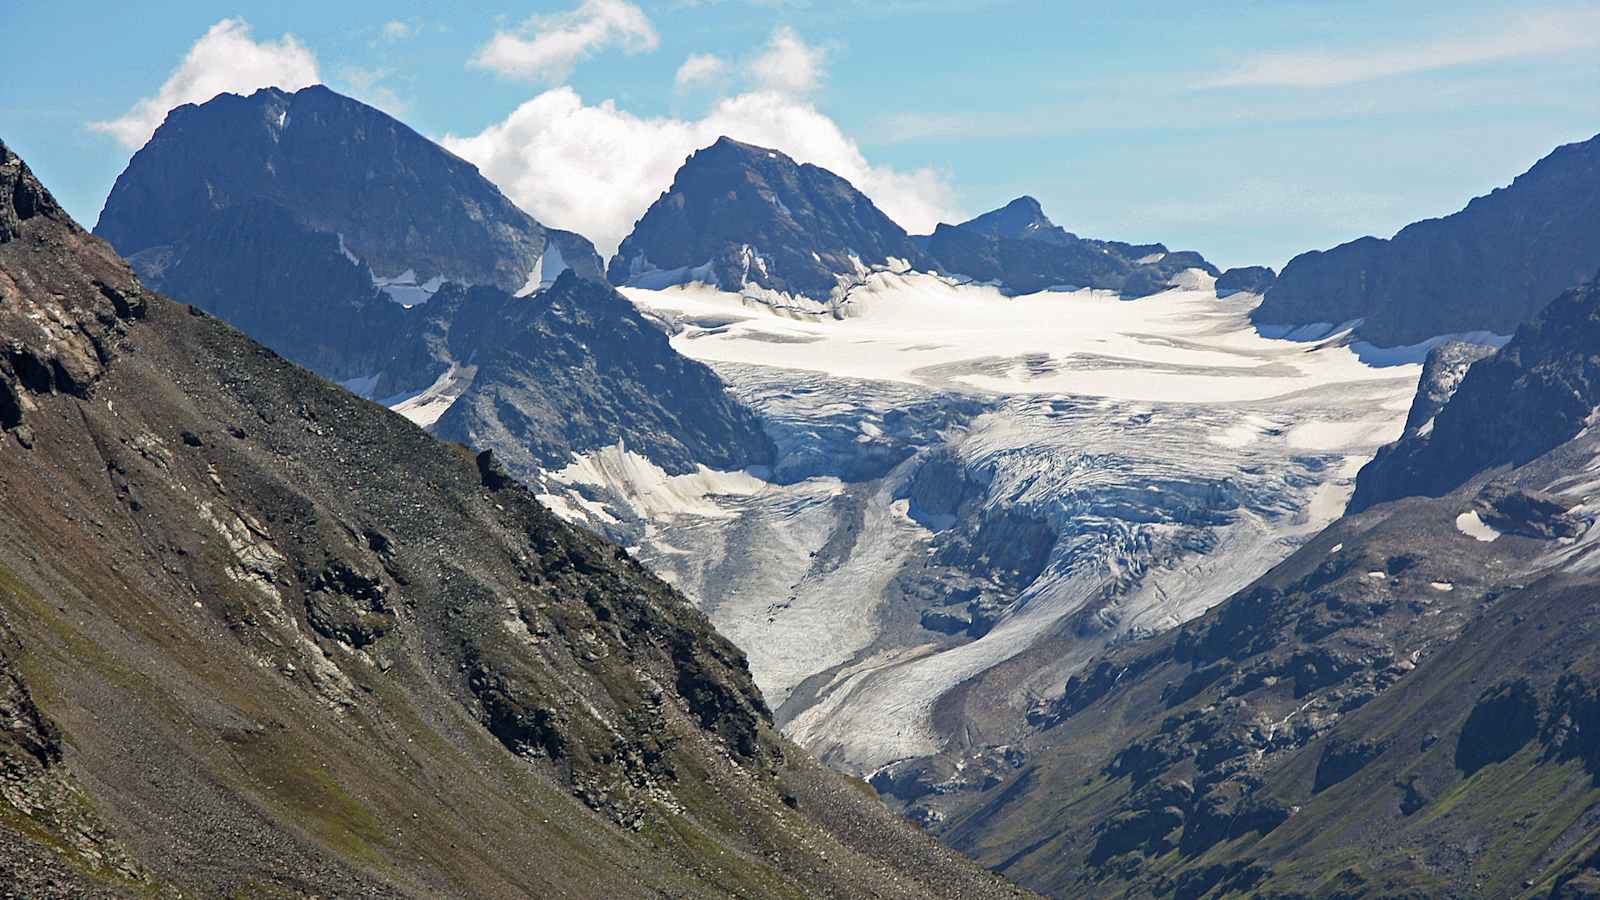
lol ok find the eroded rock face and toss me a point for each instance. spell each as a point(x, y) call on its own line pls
point(1442, 372)
point(1489, 267)
point(576, 368)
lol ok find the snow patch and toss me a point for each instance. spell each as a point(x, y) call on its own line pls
point(362, 386)
point(653, 493)
point(426, 406)
point(405, 290)
point(1472, 525)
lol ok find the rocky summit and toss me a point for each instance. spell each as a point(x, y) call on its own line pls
point(259, 636)
point(750, 219)
point(421, 217)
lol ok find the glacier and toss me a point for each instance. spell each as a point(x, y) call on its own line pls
point(964, 476)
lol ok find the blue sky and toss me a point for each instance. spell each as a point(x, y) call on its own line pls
point(1249, 131)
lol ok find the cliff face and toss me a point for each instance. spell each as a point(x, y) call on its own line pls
point(1489, 267)
point(260, 635)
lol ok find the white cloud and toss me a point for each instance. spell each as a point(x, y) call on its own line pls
point(1528, 35)
point(224, 59)
point(596, 168)
point(397, 30)
point(788, 64)
point(698, 69)
point(547, 47)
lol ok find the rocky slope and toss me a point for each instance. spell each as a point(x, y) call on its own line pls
point(1404, 707)
point(749, 219)
point(1018, 248)
point(1489, 267)
point(303, 218)
point(259, 637)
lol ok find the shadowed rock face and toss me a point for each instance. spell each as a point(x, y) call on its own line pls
point(258, 634)
point(576, 368)
point(292, 215)
point(1537, 392)
point(1489, 267)
point(1246, 279)
point(1020, 249)
point(758, 218)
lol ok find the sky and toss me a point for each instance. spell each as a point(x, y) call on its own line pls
point(1250, 131)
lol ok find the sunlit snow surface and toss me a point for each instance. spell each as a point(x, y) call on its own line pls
point(1173, 451)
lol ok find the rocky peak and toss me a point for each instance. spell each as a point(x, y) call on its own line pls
point(1021, 218)
point(1245, 280)
point(751, 219)
point(423, 214)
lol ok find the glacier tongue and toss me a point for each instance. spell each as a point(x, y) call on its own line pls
point(963, 476)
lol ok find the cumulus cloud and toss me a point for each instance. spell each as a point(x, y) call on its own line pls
point(788, 64)
point(1538, 34)
point(224, 59)
point(545, 48)
point(595, 168)
point(699, 68)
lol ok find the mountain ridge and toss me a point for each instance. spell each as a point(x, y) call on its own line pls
point(1487, 267)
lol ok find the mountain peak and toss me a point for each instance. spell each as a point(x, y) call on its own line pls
point(1021, 218)
point(751, 219)
point(727, 144)
point(311, 154)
